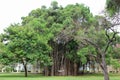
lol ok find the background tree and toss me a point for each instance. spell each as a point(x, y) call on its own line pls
point(5, 58)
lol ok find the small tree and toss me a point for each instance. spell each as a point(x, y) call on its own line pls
point(101, 39)
point(25, 45)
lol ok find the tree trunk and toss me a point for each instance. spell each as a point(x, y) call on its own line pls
point(75, 69)
point(104, 68)
point(68, 67)
point(62, 66)
point(83, 69)
point(52, 70)
point(46, 71)
point(25, 67)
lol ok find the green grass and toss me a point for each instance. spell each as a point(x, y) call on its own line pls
point(20, 76)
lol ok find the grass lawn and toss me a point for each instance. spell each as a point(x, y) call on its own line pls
point(18, 76)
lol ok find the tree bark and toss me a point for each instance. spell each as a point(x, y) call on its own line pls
point(25, 66)
point(52, 70)
point(46, 71)
point(62, 66)
point(75, 69)
point(104, 68)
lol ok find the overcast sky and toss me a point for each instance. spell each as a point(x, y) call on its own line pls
point(11, 11)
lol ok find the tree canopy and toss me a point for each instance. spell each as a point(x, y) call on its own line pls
point(113, 6)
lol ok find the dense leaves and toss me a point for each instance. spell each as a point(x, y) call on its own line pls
point(113, 6)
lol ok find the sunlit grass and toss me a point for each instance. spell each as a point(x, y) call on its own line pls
point(20, 76)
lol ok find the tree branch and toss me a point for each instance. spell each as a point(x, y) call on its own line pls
point(91, 43)
point(110, 40)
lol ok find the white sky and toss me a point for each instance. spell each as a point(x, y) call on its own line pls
point(11, 11)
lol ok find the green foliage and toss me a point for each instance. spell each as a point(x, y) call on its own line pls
point(113, 6)
point(8, 69)
point(115, 63)
point(4, 59)
point(54, 4)
point(24, 42)
point(96, 37)
point(71, 51)
point(116, 53)
point(86, 51)
point(82, 53)
point(56, 22)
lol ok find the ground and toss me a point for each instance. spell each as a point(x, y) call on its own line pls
point(14, 76)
